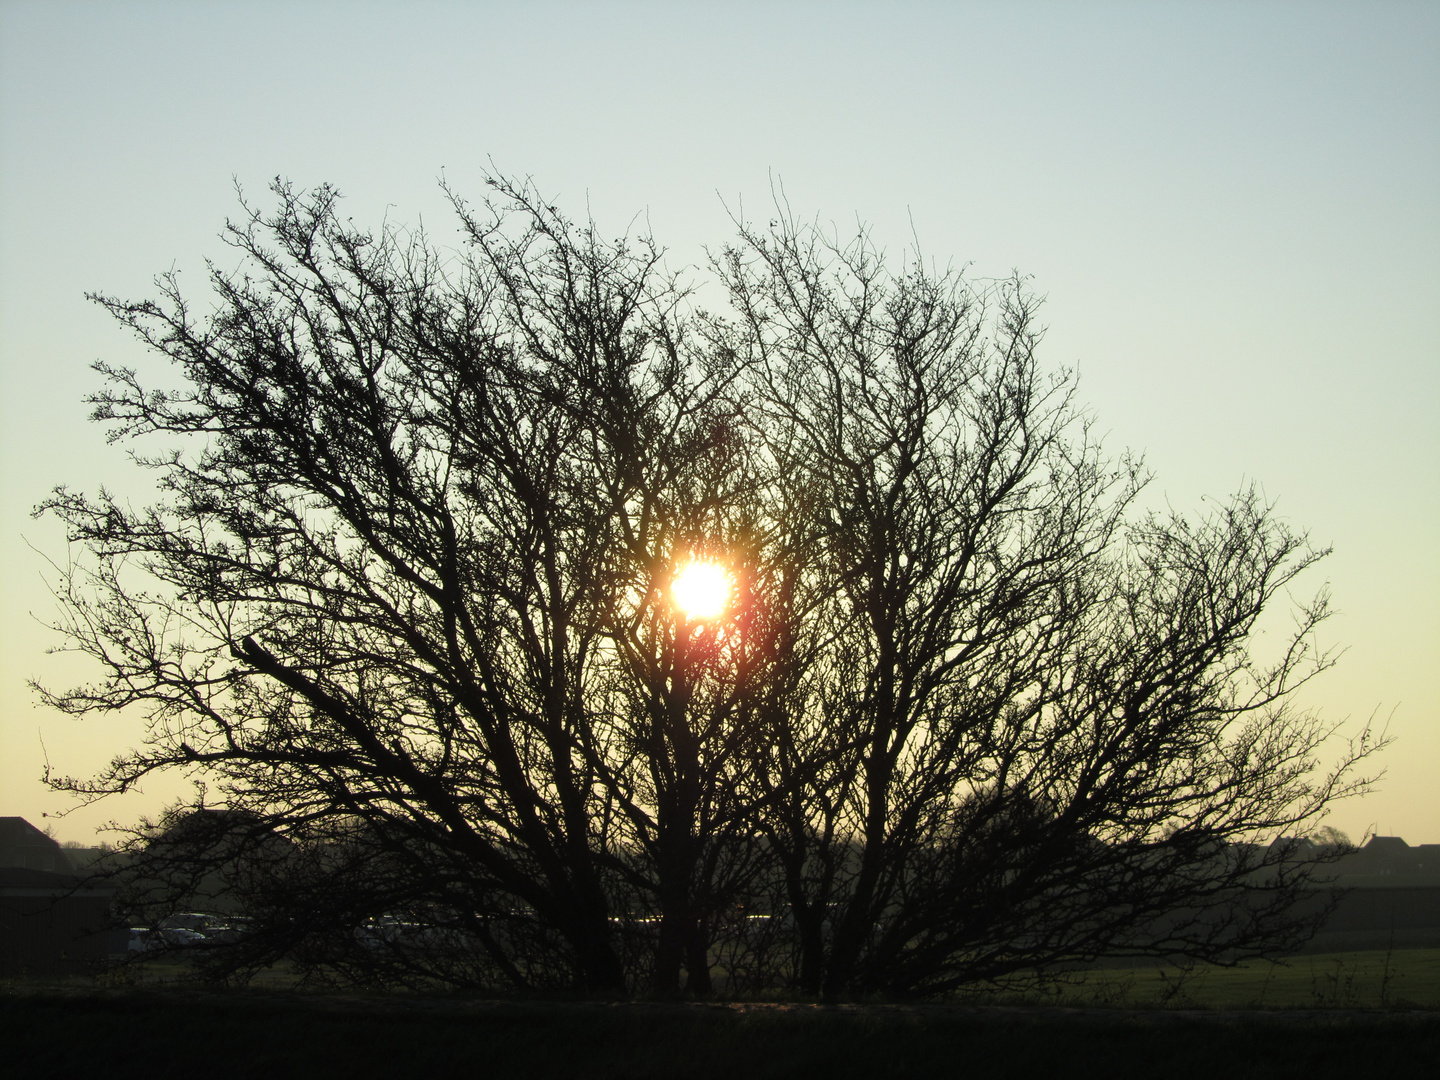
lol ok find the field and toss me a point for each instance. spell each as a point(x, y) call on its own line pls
point(1404, 978)
point(1319, 1019)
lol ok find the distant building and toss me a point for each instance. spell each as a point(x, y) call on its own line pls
point(51, 921)
point(1389, 860)
point(1388, 896)
point(26, 847)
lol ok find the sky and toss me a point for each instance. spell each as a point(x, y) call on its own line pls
point(1233, 210)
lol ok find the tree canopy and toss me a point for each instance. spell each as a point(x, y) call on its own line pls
point(406, 606)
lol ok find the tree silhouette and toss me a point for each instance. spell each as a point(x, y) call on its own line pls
point(405, 602)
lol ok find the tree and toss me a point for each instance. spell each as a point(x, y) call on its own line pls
point(1055, 731)
point(406, 603)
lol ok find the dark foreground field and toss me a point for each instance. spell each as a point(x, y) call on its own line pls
point(214, 1035)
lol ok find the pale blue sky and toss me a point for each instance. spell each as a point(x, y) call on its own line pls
point(1234, 210)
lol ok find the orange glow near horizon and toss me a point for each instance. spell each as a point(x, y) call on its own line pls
point(701, 590)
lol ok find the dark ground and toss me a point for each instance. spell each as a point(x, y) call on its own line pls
point(215, 1035)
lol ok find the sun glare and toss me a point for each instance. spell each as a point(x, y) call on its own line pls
point(701, 590)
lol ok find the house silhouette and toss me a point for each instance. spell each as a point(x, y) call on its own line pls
point(51, 921)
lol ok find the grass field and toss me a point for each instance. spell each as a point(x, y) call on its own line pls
point(1342, 1015)
point(245, 1034)
point(1403, 978)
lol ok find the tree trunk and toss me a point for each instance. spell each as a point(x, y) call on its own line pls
point(697, 958)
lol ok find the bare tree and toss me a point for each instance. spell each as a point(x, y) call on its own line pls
point(1054, 738)
point(382, 577)
point(406, 602)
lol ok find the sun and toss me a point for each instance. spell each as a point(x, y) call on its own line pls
point(701, 590)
